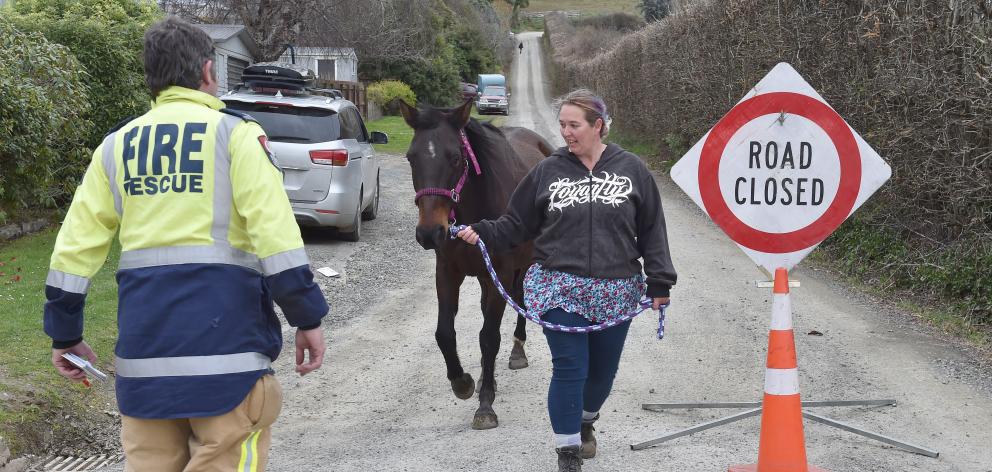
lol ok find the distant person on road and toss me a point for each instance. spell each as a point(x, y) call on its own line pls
point(521, 47)
point(208, 241)
point(592, 209)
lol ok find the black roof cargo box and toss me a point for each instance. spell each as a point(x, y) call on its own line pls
point(281, 75)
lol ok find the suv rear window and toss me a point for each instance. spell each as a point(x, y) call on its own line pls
point(288, 124)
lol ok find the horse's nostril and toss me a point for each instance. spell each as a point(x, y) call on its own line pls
point(426, 238)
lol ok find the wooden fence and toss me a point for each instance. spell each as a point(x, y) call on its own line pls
point(354, 92)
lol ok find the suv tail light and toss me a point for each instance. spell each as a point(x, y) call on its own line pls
point(330, 157)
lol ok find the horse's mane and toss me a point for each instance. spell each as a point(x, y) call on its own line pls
point(488, 142)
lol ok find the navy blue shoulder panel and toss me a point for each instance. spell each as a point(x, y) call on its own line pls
point(239, 114)
point(120, 124)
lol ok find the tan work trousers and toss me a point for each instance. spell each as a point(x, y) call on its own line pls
point(238, 440)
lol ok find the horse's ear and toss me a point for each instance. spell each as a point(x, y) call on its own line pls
point(460, 115)
point(410, 114)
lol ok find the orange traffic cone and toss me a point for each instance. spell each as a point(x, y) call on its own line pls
point(782, 446)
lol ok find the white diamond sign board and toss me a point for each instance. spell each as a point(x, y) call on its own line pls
point(780, 171)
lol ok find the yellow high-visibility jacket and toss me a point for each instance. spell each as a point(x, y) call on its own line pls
point(208, 241)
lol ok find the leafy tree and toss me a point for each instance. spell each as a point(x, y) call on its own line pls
point(459, 50)
point(472, 55)
point(106, 36)
point(43, 121)
point(515, 14)
point(655, 10)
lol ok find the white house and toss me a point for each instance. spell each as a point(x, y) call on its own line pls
point(235, 50)
point(339, 64)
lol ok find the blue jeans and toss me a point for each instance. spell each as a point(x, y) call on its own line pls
point(584, 366)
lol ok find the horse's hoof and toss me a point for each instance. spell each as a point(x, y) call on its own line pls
point(463, 386)
point(485, 420)
point(518, 358)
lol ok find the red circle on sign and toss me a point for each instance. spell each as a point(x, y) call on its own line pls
point(772, 103)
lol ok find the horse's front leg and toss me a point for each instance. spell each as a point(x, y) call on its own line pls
point(448, 280)
point(489, 340)
point(518, 358)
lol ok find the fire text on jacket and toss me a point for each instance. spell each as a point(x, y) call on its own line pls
point(146, 148)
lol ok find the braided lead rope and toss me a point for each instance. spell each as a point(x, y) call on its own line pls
point(644, 304)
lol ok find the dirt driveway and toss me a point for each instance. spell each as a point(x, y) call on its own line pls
point(382, 403)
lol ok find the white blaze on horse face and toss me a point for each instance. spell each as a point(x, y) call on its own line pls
point(430, 148)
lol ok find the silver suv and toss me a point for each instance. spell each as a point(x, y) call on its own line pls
point(320, 142)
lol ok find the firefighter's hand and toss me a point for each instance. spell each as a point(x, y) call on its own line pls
point(312, 342)
point(66, 368)
point(657, 302)
point(468, 235)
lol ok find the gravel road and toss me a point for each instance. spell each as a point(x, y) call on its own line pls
point(382, 403)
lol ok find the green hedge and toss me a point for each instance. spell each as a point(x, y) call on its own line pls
point(106, 36)
point(43, 123)
point(78, 73)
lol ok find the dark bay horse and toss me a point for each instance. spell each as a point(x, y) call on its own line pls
point(454, 186)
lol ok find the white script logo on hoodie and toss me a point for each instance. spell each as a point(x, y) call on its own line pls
point(610, 189)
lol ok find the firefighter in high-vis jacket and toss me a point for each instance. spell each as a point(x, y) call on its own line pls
point(208, 241)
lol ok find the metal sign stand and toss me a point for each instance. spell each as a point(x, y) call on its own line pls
point(756, 407)
point(756, 410)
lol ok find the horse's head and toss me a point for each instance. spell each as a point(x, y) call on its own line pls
point(436, 160)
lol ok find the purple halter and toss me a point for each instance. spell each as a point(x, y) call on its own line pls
point(454, 194)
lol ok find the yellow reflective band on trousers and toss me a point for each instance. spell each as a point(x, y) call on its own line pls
point(249, 453)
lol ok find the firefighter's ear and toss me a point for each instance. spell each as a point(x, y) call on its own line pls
point(208, 78)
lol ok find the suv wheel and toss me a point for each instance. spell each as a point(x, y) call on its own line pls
point(372, 211)
point(354, 233)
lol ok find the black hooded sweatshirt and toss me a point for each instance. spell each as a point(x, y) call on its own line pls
point(602, 236)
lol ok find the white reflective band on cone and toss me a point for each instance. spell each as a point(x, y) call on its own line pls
point(782, 381)
point(192, 365)
point(781, 312)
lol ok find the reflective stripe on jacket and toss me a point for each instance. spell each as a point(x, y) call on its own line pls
point(208, 240)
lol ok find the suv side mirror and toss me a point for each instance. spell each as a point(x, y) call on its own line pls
point(378, 137)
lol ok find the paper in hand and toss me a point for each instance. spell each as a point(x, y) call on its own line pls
point(85, 365)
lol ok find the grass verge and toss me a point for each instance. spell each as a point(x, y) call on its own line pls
point(31, 389)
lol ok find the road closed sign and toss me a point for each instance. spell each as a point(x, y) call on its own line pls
point(780, 171)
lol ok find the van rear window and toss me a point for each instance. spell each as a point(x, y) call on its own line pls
point(289, 124)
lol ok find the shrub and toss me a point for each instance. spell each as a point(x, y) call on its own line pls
point(43, 105)
point(106, 36)
point(385, 92)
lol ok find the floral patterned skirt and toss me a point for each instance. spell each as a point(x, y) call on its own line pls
point(597, 300)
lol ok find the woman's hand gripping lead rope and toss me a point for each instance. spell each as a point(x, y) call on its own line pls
point(644, 304)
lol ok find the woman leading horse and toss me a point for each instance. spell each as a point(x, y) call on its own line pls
point(592, 210)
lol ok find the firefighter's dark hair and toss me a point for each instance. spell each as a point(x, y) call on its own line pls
point(175, 52)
